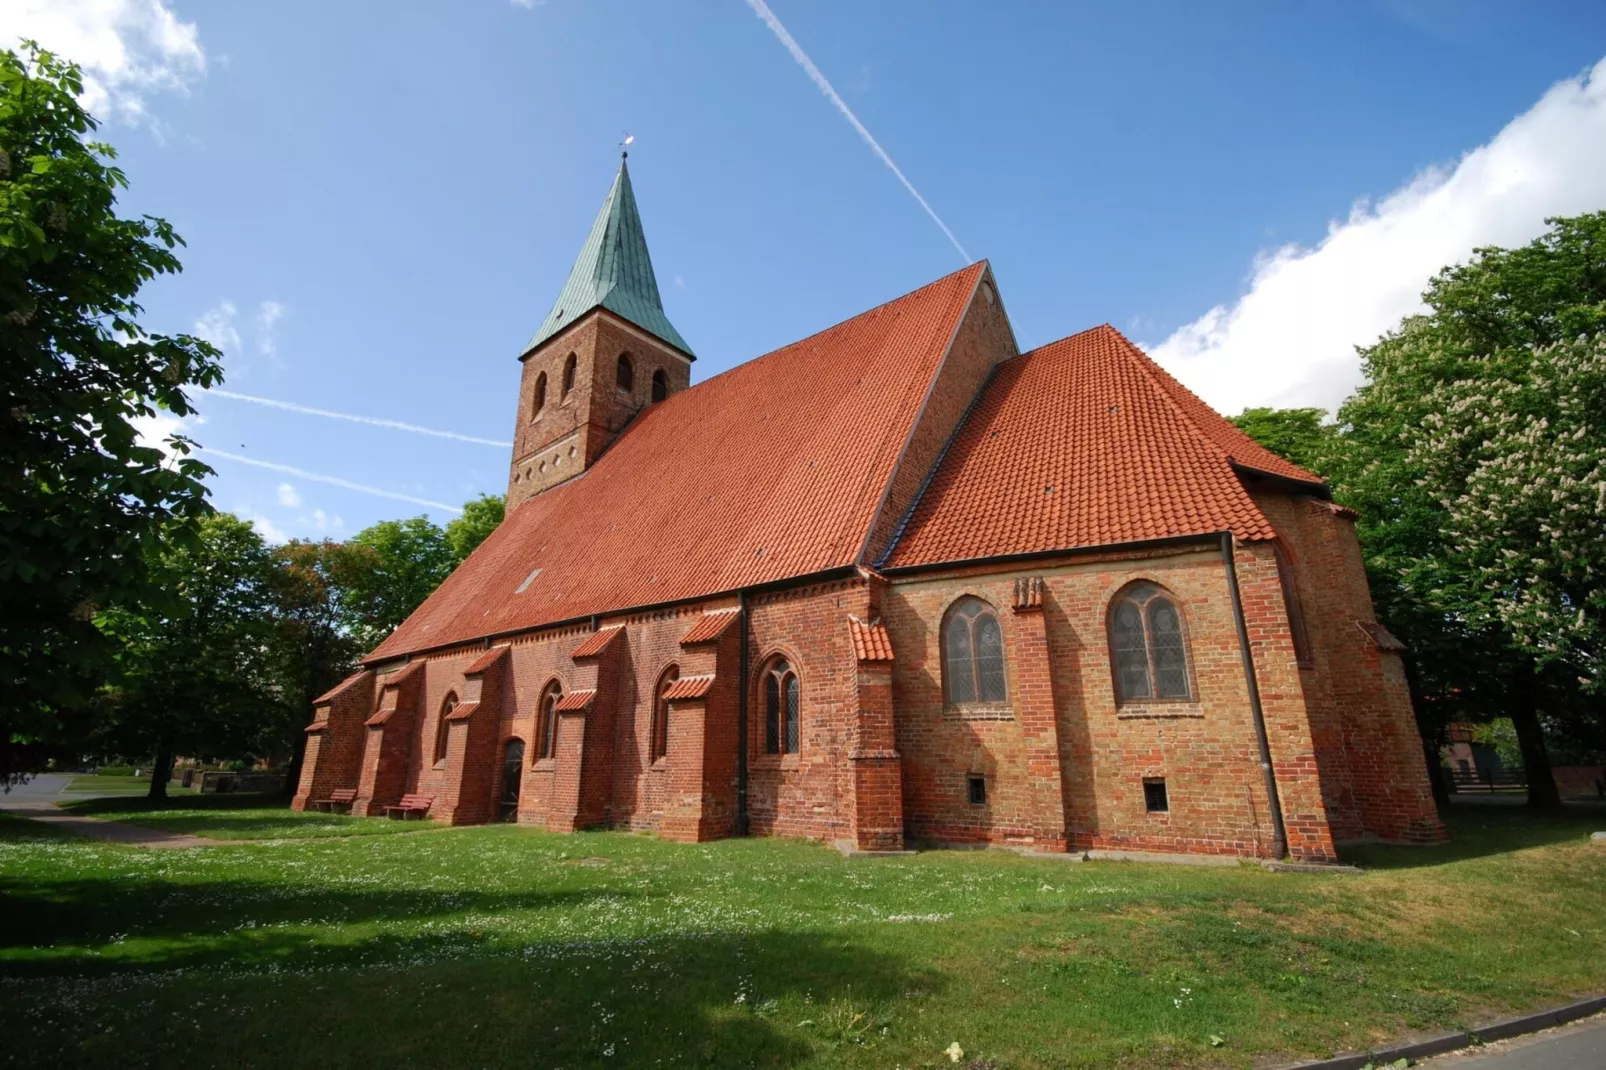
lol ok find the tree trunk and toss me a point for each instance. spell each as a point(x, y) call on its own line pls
point(161, 773)
point(292, 779)
point(1535, 758)
point(1436, 774)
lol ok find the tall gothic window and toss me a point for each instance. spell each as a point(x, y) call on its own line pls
point(659, 746)
point(547, 725)
point(568, 374)
point(781, 701)
point(1296, 612)
point(627, 374)
point(660, 385)
point(1147, 645)
point(973, 654)
point(538, 402)
point(441, 726)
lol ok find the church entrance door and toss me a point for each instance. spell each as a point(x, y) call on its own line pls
point(512, 770)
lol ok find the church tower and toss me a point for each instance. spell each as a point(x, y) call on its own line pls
point(605, 352)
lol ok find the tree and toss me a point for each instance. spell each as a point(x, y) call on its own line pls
point(408, 560)
point(480, 517)
point(196, 673)
point(83, 503)
point(314, 640)
point(1487, 321)
point(1298, 435)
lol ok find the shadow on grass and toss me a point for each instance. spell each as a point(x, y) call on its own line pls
point(772, 998)
point(1480, 830)
point(157, 924)
point(246, 816)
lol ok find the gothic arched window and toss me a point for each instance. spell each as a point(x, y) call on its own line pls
point(782, 697)
point(660, 385)
point(1147, 645)
point(547, 726)
point(568, 374)
point(658, 747)
point(538, 402)
point(441, 726)
point(973, 654)
point(627, 374)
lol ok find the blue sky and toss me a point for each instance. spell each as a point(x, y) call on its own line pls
point(382, 199)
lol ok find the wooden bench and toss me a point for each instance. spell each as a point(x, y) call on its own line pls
point(341, 797)
point(411, 805)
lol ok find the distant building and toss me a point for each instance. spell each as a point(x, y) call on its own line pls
point(897, 582)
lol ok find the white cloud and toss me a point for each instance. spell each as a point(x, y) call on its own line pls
point(127, 48)
point(269, 313)
point(264, 524)
point(1289, 340)
point(289, 497)
point(153, 431)
point(216, 325)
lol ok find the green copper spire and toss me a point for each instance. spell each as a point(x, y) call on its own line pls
point(613, 271)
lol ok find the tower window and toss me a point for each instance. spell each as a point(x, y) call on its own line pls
point(568, 374)
point(538, 402)
point(1154, 797)
point(660, 385)
point(976, 789)
point(627, 374)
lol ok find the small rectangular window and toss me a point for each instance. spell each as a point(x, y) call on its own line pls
point(977, 786)
point(1154, 797)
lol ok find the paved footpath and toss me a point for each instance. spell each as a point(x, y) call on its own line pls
point(1580, 1045)
point(36, 801)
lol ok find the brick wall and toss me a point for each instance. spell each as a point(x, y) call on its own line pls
point(569, 432)
point(333, 758)
point(1373, 766)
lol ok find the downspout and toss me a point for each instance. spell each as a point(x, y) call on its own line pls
point(741, 720)
point(1279, 834)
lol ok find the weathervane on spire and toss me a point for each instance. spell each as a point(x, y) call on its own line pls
point(624, 146)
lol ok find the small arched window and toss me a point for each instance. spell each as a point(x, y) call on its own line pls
point(538, 402)
point(659, 745)
point(441, 727)
point(547, 723)
point(973, 654)
point(660, 385)
point(568, 374)
point(1296, 612)
point(1147, 645)
point(782, 697)
point(627, 374)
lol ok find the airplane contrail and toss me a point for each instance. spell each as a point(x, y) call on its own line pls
point(762, 10)
point(394, 425)
point(333, 481)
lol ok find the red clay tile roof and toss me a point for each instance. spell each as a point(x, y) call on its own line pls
point(1028, 594)
point(595, 643)
point(1084, 442)
point(771, 470)
point(329, 695)
point(870, 641)
point(709, 628)
point(487, 659)
point(688, 687)
point(577, 700)
point(462, 711)
point(1379, 635)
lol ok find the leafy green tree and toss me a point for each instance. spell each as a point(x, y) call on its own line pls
point(1400, 464)
point(196, 672)
point(1298, 435)
point(408, 560)
point(83, 505)
point(480, 517)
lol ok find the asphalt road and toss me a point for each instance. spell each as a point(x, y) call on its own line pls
point(42, 787)
point(1579, 1046)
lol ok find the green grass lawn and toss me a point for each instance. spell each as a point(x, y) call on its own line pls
point(236, 817)
point(505, 946)
point(120, 785)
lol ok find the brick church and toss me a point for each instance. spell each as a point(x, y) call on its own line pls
point(897, 583)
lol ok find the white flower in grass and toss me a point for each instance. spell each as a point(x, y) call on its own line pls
point(954, 1052)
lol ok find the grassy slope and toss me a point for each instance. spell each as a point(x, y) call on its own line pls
point(507, 946)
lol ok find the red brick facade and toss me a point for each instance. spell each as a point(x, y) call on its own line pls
point(740, 613)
